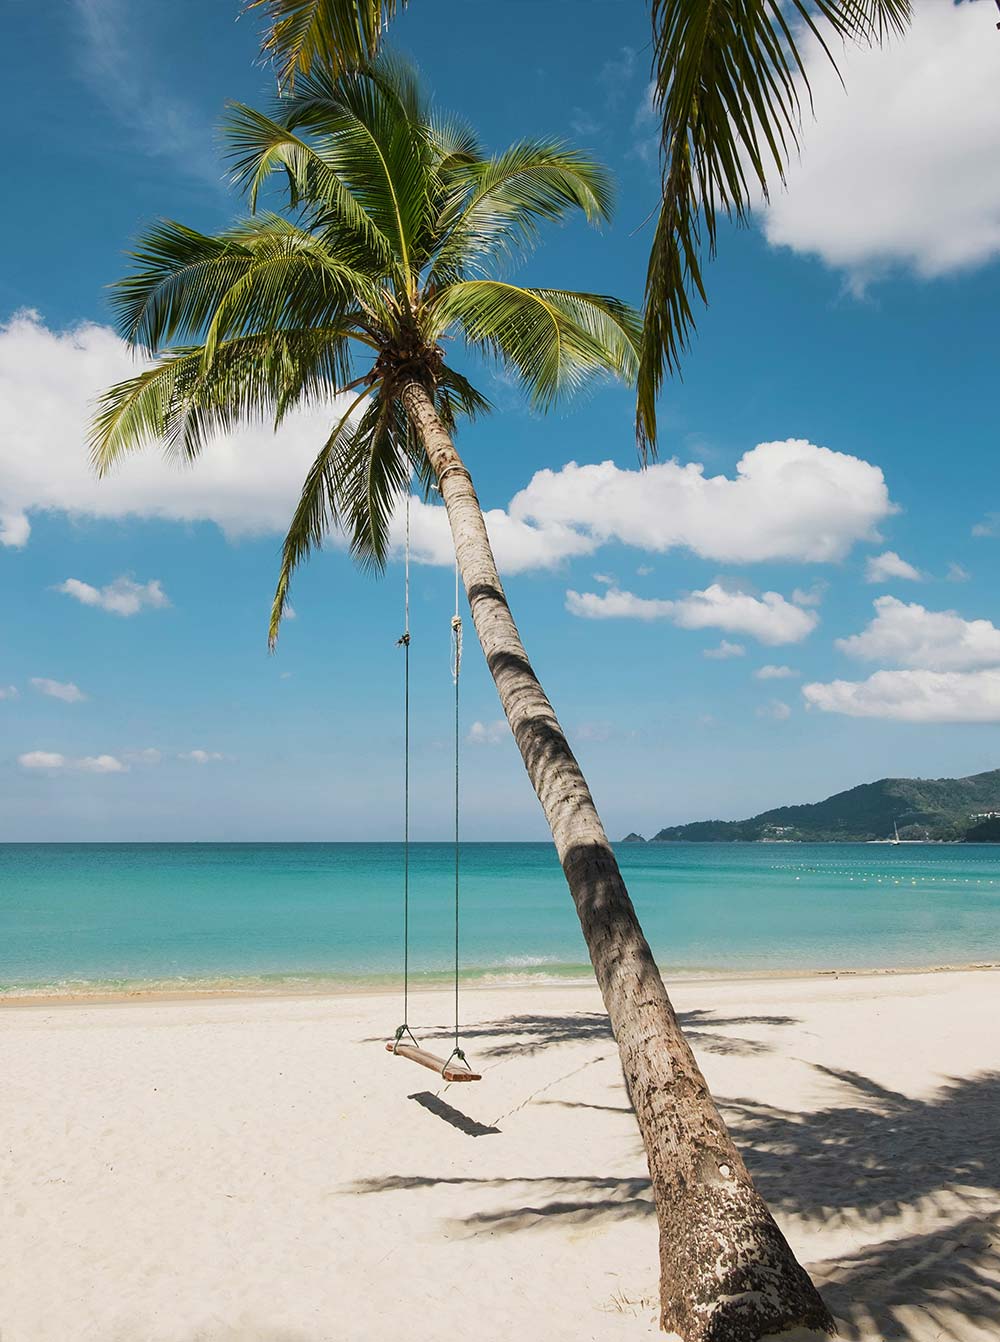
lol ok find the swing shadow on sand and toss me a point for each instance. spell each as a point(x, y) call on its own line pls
point(442, 1109)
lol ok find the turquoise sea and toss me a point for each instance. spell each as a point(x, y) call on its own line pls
point(90, 915)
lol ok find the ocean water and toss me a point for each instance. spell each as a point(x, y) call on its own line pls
point(90, 915)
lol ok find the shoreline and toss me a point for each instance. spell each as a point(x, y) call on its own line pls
point(340, 989)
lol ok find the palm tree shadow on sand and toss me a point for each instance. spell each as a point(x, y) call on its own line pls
point(863, 1164)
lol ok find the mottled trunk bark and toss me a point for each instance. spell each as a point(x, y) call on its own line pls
point(726, 1271)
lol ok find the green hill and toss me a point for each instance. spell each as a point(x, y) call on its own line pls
point(921, 808)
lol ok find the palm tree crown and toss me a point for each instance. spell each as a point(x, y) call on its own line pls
point(395, 230)
point(728, 80)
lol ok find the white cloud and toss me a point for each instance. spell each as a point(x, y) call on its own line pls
point(148, 756)
point(8, 692)
point(885, 567)
point(605, 579)
point(724, 651)
point(788, 500)
point(246, 483)
point(121, 597)
point(775, 673)
point(899, 167)
point(909, 635)
point(769, 618)
point(57, 689)
point(956, 573)
point(644, 570)
point(592, 731)
point(810, 596)
point(488, 733)
point(517, 545)
point(101, 764)
point(200, 756)
point(14, 530)
point(777, 710)
point(42, 759)
point(47, 759)
point(989, 526)
point(913, 696)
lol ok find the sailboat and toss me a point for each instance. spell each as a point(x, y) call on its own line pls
point(895, 836)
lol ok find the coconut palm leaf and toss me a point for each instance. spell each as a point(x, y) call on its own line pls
point(338, 34)
point(317, 512)
point(727, 86)
point(555, 340)
point(494, 206)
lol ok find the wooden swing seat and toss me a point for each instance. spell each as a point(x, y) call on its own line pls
point(444, 1069)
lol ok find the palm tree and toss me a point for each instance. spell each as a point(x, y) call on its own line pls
point(726, 75)
point(396, 225)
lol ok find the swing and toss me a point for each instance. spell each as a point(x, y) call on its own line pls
point(456, 1066)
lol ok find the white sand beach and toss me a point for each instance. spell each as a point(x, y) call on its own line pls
point(261, 1169)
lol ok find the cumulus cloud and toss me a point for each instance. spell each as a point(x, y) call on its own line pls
point(101, 764)
point(989, 526)
point(885, 567)
point(95, 764)
point(121, 597)
point(517, 544)
point(246, 482)
point(488, 733)
point(724, 651)
point(810, 596)
point(899, 166)
point(42, 759)
point(913, 696)
point(57, 689)
point(788, 500)
point(14, 529)
point(775, 673)
point(8, 692)
point(777, 710)
point(148, 756)
point(200, 756)
point(768, 618)
point(909, 635)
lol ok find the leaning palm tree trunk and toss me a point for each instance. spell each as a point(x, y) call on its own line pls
point(726, 1272)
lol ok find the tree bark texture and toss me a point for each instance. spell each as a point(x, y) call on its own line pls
point(727, 1273)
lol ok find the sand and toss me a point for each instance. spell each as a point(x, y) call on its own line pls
point(261, 1169)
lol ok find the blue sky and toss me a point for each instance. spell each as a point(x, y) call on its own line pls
point(852, 332)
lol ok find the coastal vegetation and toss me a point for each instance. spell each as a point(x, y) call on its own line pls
point(941, 809)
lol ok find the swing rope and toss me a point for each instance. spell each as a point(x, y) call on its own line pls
point(456, 670)
point(403, 1031)
point(404, 643)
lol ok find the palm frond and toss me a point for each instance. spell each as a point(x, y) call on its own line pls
point(493, 207)
point(316, 514)
point(180, 404)
point(727, 80)
point(370, 477)
point(556, 341)
point(455, 399)
point(370, 130)
point(339, 34)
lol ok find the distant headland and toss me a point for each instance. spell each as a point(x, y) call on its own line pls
point(904, 810)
